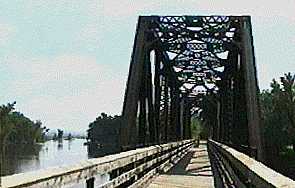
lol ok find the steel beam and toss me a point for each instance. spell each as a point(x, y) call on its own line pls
point(183, 57)
point(251, 88)
point(128, 131)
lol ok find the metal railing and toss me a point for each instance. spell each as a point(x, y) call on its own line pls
point(131, 168)
point(235, 169)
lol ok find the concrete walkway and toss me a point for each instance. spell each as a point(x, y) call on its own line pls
point(194, 170)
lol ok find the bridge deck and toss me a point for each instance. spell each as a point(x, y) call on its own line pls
point(194, 170)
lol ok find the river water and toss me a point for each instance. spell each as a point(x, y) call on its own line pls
point(25, 158)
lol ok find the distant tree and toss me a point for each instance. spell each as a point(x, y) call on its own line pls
point(196, 127)
point(60, 134)
point(44, 133)
point(98, 128)
point(208, 113)
point(70, 137)
point(54, 136)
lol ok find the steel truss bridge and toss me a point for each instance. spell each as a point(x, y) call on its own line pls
point(182, 67)
point(180, 63)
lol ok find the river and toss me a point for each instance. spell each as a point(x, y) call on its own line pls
point(25, 158)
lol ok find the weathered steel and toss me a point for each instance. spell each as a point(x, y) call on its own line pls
point(196, 57)
point(157, 95)
point(90, 183)
point(251, 88)
point(165, 111)
point(142, 118)
point(130, 106)
point(152, 129)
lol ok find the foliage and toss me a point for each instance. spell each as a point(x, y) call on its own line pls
point(60, 134)
point(208, 113)
point(103, 126)
point(278, 115)
point(17, 128)
point(199, 129)
point(6, 126)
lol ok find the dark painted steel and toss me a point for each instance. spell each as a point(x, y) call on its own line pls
point(196, 58)
point(128, 131)
point(90, 183)
point(251, 88)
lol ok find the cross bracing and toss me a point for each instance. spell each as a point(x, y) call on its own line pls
point(183, 66)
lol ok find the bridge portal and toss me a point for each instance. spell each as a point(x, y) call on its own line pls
point(192, 65)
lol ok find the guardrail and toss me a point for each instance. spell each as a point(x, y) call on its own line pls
point(235, 169)
point(131, 168)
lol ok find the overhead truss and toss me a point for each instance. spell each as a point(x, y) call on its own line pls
point(177, 63)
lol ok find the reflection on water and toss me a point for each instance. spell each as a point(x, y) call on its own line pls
point(24, 158)
point(60, 144)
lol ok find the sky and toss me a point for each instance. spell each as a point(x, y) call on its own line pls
point(66, 61)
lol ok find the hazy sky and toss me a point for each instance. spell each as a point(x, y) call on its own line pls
point(66, 61)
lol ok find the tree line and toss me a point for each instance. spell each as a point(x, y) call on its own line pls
point(16, 128)
point(278, 118)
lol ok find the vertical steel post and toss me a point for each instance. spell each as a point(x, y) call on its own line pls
point(90, 183)
point(173, 111)
point(240, 127)
point(189, 124)
point(182, 118)
point(142, 120)
point(166, 110)
point(128, 133)
point(251, 88)
point(143, 108)
point(222, 111)
point(187, 118)
point(157, 94)
point(218, 124)
point(150, 91)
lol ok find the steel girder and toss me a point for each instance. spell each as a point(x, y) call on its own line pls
point(179, 60)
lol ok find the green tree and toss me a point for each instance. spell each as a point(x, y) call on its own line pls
point(103, 125)
point(274, 121)
point(288, 103)
point(208, 114)
point(6, 126)
point(278, 115)
point(196, 128)
point(17, 128)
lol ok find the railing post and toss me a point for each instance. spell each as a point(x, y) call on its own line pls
point(90, 183)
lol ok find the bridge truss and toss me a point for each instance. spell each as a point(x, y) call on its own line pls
point(191, 65)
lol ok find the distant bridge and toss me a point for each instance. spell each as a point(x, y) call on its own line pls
point(182, 66)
